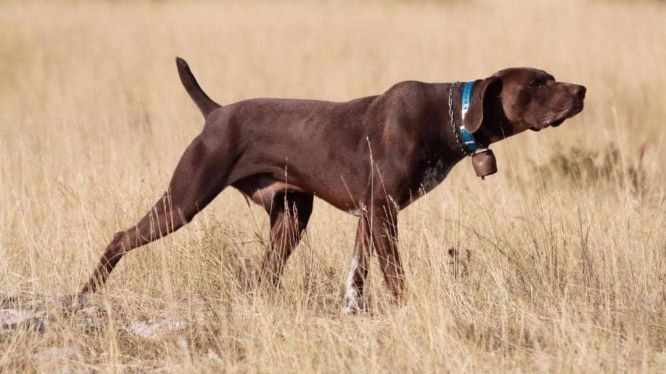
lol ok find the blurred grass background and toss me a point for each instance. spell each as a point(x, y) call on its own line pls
point(562, 263)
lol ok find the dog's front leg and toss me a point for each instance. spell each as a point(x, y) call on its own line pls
point(385, 240)
point(379, 226)
point(353, 299)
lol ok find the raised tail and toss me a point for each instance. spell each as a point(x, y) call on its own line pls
point(205, 104)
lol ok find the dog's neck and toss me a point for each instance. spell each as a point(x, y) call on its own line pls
point(494, 127)
point(459, 99)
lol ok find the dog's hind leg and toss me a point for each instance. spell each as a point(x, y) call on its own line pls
point(289, 215)
point(200, 175)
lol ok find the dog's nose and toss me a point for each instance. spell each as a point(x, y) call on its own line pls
point(580, 91)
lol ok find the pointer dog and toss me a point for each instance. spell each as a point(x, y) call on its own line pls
point(370, 157)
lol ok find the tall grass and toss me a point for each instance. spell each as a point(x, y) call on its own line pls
point(558, 266)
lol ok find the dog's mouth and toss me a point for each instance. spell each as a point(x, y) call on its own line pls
point(557, 122)
point(575, 109)
point(572, 111)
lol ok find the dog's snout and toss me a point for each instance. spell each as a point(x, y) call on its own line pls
point(580, 91)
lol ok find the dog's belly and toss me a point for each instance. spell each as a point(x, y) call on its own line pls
point(268, 193)
point(262, 188)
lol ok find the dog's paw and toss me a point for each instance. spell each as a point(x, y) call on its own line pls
point(73, 303)
point(351, 310)
point(459, 261)
point(352, 303)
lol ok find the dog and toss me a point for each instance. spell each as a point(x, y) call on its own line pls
point(370, 157)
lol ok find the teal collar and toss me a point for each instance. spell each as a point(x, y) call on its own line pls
point(470, 144)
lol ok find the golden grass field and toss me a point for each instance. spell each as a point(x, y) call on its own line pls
point(562, 264)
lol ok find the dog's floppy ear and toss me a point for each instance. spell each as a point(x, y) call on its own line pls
point(485, 90)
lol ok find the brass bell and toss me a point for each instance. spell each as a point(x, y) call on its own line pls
point(484, 163)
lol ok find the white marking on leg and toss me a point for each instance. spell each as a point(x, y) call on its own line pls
point(353, 300)
point(357, 211)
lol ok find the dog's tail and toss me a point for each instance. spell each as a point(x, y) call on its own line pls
point(205, 104)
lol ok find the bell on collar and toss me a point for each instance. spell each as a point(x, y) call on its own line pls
point(484, 163)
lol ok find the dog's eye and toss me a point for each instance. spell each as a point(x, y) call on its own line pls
point(538, 82)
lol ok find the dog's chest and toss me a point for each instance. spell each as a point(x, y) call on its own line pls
point(434, 174)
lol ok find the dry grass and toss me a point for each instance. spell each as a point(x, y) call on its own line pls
point(562, 268)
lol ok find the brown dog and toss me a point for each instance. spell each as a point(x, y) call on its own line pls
point(370, 157)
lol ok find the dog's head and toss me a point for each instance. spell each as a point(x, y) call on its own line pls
point(518, 99)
